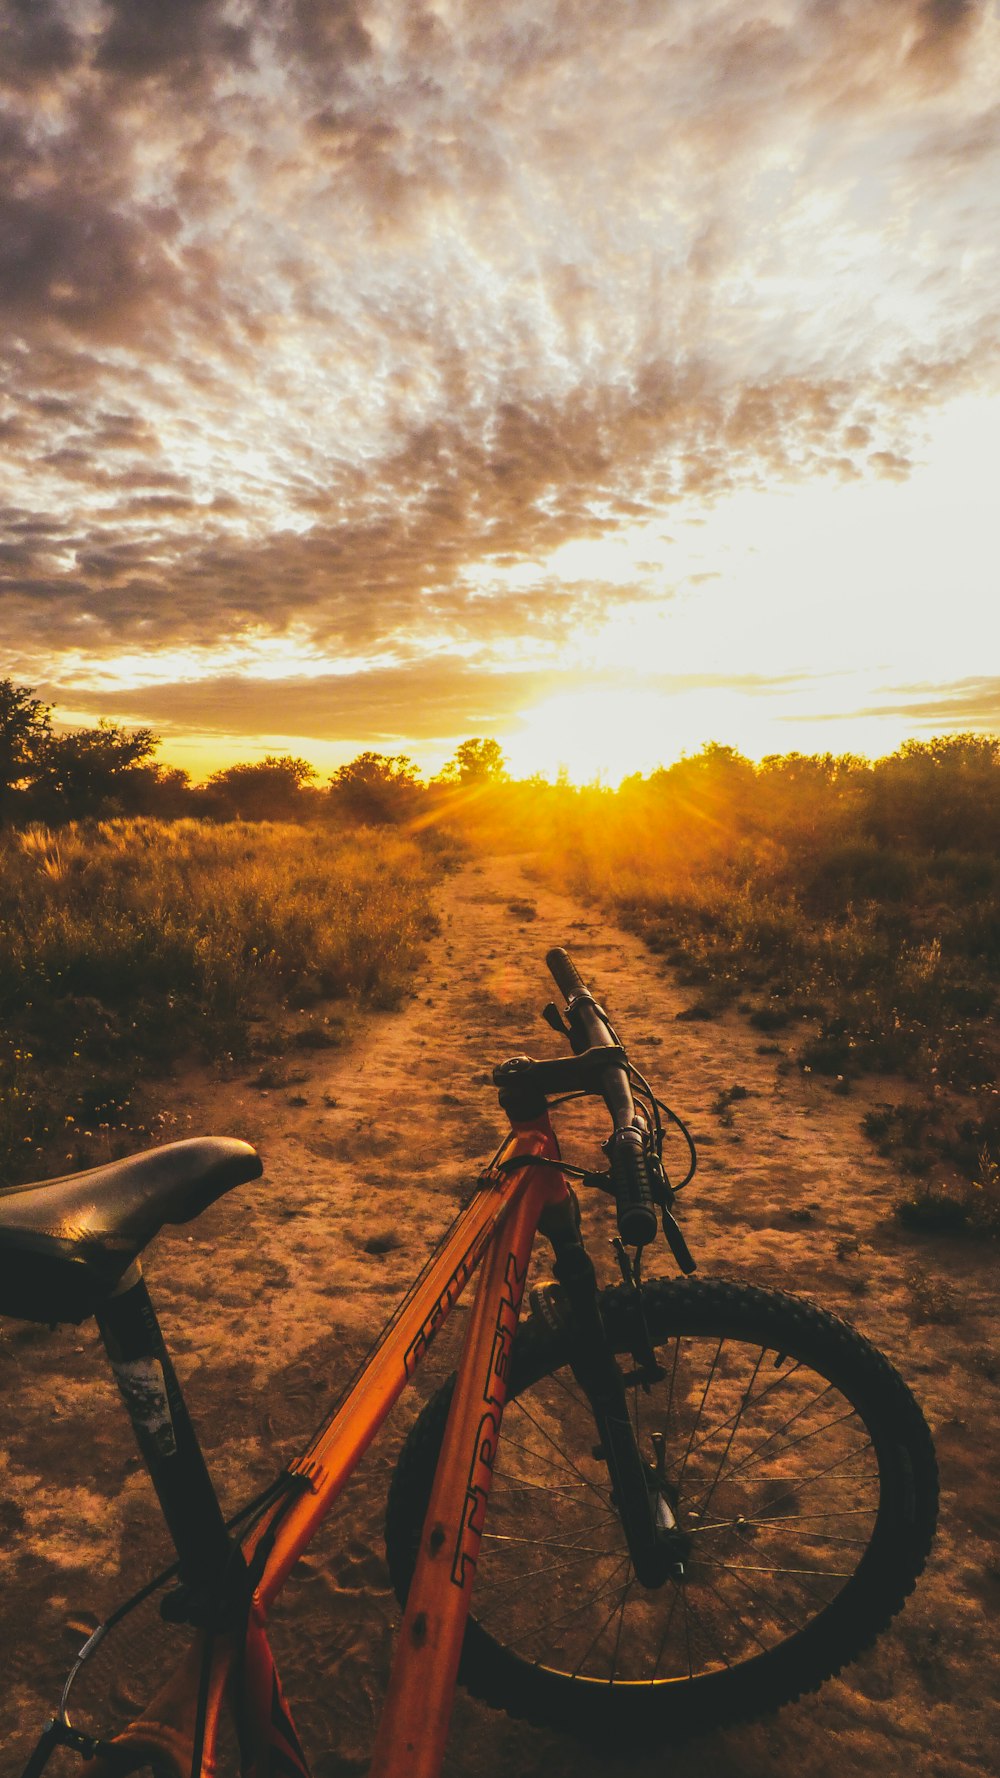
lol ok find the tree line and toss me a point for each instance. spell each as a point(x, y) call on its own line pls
point(108, 770)
point(845, 828)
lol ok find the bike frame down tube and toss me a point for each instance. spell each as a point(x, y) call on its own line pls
point(498, 1227)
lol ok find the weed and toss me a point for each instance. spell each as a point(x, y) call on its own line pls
point(863, 896)
point(127, 944)
point(932, 1212)
point(769, 1018)
point(317, 1037)
point(522, 910)
point(902, 1132)
point(722, 1103)
point(982, 1198)
point(933, 1299)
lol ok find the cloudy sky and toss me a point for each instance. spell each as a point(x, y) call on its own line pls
point(603, 375)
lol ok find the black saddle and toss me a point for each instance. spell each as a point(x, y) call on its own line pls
point(65, 1243)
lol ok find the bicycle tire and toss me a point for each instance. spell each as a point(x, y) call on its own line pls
point(821, 1469)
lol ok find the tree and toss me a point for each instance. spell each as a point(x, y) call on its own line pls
point(25, 725)
point(476, 761)
point(376, 788)
point(938, 795)
point(91, 771)
point(163, 792)
point(271, 790)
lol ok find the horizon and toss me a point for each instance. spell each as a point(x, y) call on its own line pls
point(382, 377)
point(515, 770)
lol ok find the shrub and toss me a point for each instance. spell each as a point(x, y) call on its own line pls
point(126, 944)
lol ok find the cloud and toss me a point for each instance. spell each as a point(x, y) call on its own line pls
point(332, 317)
point(422, 546)
point(143, 40)
point(421, 700)
point(966, 703)
point(37, 43)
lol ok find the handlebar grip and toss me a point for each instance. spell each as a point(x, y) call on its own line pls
point(632, 1186)
point(565, 973)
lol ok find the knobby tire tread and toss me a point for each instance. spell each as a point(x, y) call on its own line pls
point(884, 1579)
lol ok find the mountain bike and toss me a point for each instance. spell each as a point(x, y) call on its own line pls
point(704, 1499)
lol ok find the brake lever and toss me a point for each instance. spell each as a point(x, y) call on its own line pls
point(665, 1196)
point(677, 1244)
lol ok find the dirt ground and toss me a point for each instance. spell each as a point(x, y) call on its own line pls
point(271, 1298)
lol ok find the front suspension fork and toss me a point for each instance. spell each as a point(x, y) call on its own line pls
point(647, 1522)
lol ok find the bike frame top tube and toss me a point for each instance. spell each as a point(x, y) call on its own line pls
point(509, 1202)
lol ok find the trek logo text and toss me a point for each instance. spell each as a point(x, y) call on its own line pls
point(484, 1454)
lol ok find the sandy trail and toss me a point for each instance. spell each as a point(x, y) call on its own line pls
point(270, 1301)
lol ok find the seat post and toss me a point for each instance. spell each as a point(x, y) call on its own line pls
point(165, 1433)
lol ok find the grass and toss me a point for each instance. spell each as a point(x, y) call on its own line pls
point(852, 907)
point(129, 946)
point(723, 1103)
point(974, 1206)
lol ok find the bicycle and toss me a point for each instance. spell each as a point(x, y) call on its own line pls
point(694, 1539)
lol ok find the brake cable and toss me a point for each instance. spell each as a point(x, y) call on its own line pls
point(659, 1106)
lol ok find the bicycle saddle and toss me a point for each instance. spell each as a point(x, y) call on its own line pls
point(65, 1243)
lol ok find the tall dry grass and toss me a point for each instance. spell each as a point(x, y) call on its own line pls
point(850, 909)
point(128, 945)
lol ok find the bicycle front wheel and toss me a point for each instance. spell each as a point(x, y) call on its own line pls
point(790, 1456)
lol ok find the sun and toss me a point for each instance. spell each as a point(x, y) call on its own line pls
point(598, 736)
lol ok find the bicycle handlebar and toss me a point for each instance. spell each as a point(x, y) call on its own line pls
point(564, 972)
point(626, 1148)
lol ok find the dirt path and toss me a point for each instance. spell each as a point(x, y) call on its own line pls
point(271, 1300)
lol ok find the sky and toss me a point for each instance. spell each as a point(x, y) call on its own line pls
point(606, 376)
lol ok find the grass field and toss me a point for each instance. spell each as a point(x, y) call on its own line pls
point(128, 947)
point(850, 910)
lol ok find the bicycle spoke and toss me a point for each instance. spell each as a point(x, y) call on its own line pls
point(769, 1390)
point(703, 1622)
point(732, 1612)
point(758, 1525)
point(792, 1624)
point(701, 1404)
point(794, 1443)
point(666, 1630)
point(733, 1431)
point(621, 1622)
point(762, 1523)
point(687, 1632)
point(567, 1460)
point(522, 1484)
point(588, 1651)
point(546, 1571)
point(773, 1568)
point(559, 1623)
point(819, 1475)
point(535, 1543)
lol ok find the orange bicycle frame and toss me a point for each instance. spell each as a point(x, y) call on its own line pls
point(496, 1231)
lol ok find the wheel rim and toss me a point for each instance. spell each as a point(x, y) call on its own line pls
point(766, 1466)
